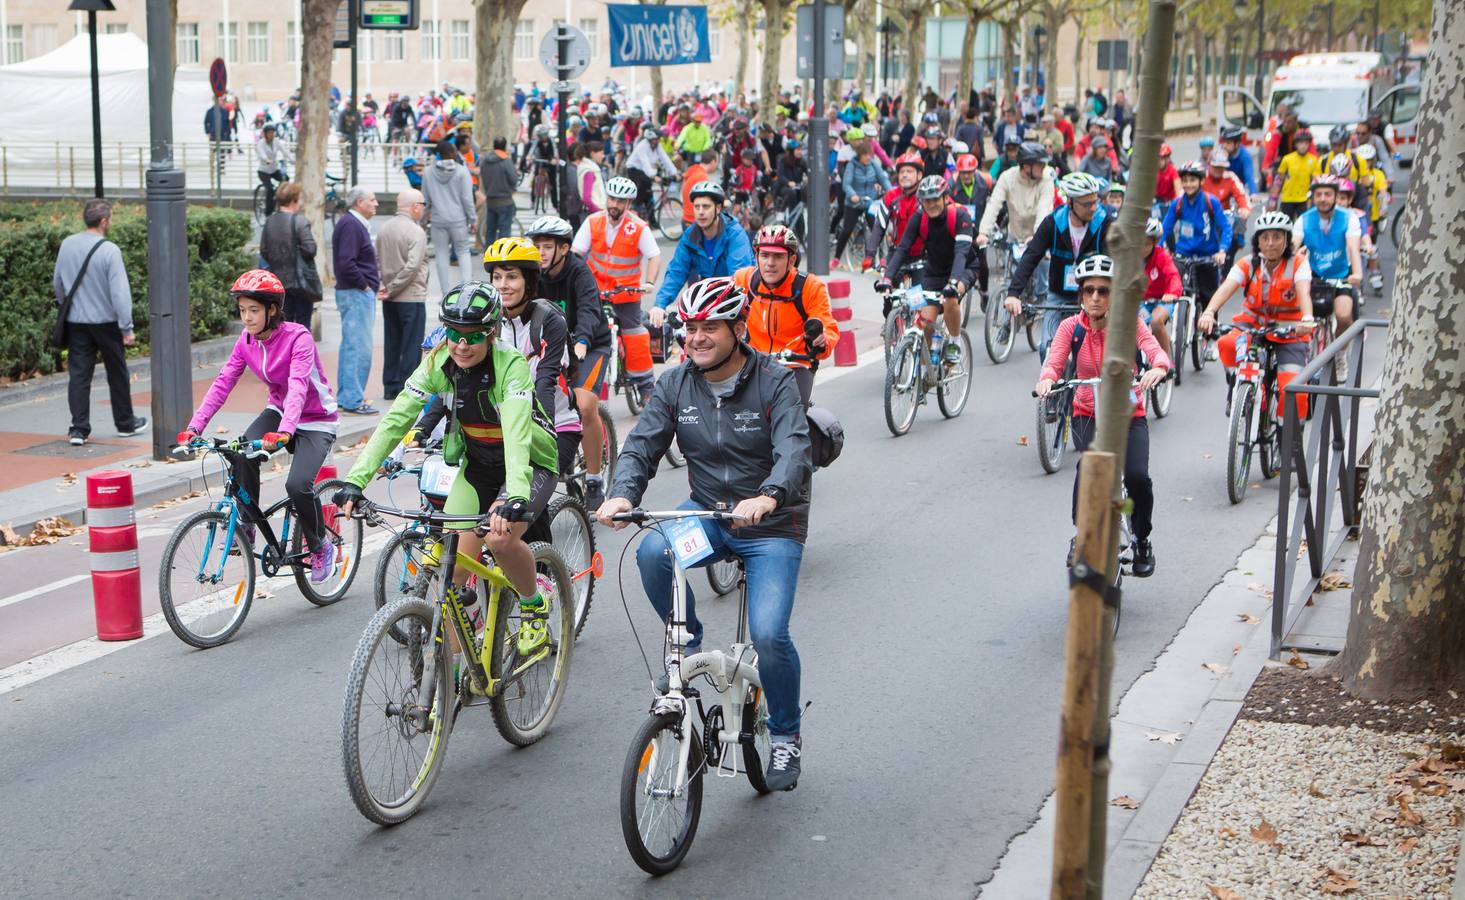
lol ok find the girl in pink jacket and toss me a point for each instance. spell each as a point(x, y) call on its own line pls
point(299, 416)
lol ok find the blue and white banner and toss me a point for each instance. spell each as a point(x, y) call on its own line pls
point(657, 35)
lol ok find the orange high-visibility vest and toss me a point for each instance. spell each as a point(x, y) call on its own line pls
point(616, 262)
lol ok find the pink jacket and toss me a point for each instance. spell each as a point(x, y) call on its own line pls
point(289, 366)
point(1091, 358)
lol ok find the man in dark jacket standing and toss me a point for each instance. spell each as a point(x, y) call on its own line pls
point(357, 281)
point(89, 268)
point(498, 178)
point(737, 417)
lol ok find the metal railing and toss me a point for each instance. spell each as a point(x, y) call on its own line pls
point(1325, 463)
point(228, 167)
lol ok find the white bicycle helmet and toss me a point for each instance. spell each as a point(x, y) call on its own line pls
point(932, 187)
point(712, 299)
point(621, 188)
point(551, 227)
point(1153, 228)
point(1276, 220)
point(1079, 184)
point(1366, 152)
point(1096, 266)
point(1340, 165)
point(959, 148)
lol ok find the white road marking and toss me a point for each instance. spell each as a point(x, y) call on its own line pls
point(43, 589)
point(84, 651)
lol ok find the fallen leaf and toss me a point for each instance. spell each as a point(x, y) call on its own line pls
point(1222, 893)
point(1312, 791)
point(1335, 882)
point(1297, 662)
point(8, 535)
point(1407, 845)
point(262, 594)
point(1264, 833)
point(1334, 581)
point(1259, 588)
point(1169, 737)
point(1124, 801)
point(222, 429)
point(140, 464)
point(1216, 667)
point(1248, 619)
point(1022, 441)
point(1408, 816)
point(1236, 651)
point(1359, 839)
point(48, 531)
point(1187, 500)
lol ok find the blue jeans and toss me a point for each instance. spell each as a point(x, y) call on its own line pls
point(773, 573)
point(498, 222)
point(353, 367)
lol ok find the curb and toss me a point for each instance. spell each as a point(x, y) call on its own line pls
point(205, 353)
point(167, 487)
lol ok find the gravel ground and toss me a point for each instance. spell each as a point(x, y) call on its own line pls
point(1289, 811)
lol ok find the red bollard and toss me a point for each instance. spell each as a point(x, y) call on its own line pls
point(328, 510)
point(844, 350)
point(116, 578)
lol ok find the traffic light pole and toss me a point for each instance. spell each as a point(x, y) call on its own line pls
point(353, 7)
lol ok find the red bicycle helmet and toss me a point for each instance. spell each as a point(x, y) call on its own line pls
point(777, 237)
point(712, 299)
point(258, 284)
point(966, 163)
point(1165, 150)
point(910, 159)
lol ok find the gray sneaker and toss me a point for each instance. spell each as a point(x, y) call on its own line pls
point(783, 763)
point(137, 426)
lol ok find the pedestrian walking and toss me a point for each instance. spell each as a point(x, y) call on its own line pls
point(448, 189)
point(401, 250)
point(357, 281)
point(498, 178)
point(90, 282)
point(289, 249)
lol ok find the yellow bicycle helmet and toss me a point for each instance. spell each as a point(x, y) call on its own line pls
point(512, 251)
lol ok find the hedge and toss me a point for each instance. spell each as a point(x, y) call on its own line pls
point(31, 234)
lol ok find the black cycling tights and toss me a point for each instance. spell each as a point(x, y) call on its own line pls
point(1136, 470)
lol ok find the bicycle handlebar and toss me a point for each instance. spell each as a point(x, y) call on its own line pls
point(1281, 330)
point(640, 516)
point(247, 448)
point(623, 289)
point(1072, 383)
point(788, 356)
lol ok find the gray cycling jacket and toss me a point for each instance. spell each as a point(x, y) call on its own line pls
point(758, 437)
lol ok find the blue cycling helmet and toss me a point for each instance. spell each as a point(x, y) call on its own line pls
point(409, 162)
point(436, 336)
point(792, 144)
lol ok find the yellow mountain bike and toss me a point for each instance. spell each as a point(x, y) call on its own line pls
point(404, 692)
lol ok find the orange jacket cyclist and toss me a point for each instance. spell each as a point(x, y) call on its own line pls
point(788, 309)
point(622, 253)
point(1275, 285)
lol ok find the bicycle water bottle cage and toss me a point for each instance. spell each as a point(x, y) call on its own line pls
point(1092, 578)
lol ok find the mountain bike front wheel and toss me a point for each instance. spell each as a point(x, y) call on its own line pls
point(205, 585)
point(902, 384)
point(1052, 434)
point(1181, 332)
point(345, 533)
point(393, 738)
point(1239, 440)
point(528, 691)
point(1160, 398)
point(999, 332)
point(669, 218)
point(661, 802)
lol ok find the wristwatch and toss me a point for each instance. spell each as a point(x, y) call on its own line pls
point(777, 493)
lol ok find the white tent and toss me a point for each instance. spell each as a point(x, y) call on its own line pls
point(48, 99)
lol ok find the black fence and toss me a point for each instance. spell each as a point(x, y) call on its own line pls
point(1325, 463)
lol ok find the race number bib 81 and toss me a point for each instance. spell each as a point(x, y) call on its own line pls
point(688, 541)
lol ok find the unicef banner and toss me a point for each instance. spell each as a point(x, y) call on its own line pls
point(657, 35)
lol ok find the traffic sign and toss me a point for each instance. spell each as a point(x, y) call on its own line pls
point(833, 41)
point(577, 55)
point(1113, 56)
point(342, 40)
point(564, 87)
point(218, 77)
point(396, 15)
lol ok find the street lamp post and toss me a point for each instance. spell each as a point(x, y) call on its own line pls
point(888, 30)
point(91, 8)
point(1039, 32)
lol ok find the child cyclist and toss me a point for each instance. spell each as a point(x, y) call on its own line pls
point(300, 415)
point(500, 438)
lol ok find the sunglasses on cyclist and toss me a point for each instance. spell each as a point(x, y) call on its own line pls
point(1094, 290)
point(471, 338)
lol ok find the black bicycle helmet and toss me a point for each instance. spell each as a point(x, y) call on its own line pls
point(1031, 152)
point(472, 304)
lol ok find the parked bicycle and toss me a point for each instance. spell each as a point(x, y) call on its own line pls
point(206, 580)
point(681, 739)
point(404, 691)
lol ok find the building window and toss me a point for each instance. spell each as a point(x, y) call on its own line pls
point(591, 27)
point(458, 40)
point(14, 43)
point(366, 45)
point(292, 42)
point(524, 39)
point(43, 39)
point(432, 39)
point(714, 39)
point(257, 45)
point(187, 43)
point(228, 48)
point(394, 46)
point(115, 28)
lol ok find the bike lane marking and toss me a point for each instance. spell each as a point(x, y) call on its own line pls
point(42, 590)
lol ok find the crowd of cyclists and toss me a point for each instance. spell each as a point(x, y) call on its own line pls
point(516, 373)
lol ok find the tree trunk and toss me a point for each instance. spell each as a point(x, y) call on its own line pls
point(1406, 634)
point(915, 54)
point(1009, 57)
point(772, 56)
point(493, 84)
point(658, 83)
point(1080, 77)
point(974, 15)
point(1050, 77)
point(318, 29)
point(745, 44)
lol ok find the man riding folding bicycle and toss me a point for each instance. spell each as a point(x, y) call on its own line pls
point(737, 416)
